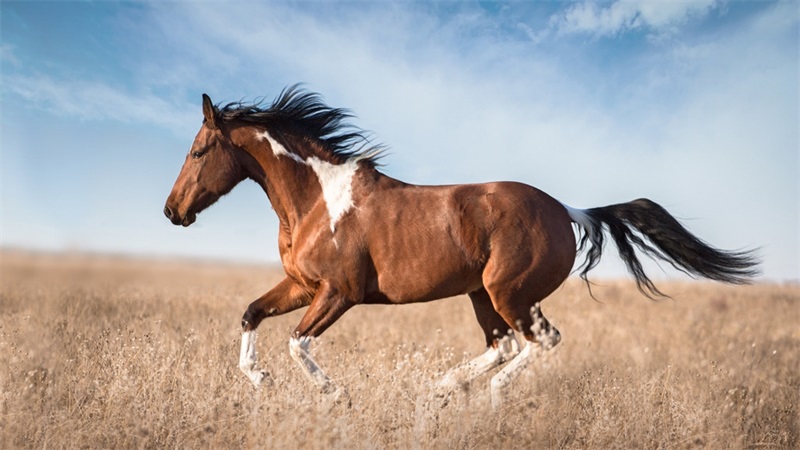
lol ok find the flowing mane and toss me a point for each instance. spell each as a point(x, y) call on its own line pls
point(298, 111)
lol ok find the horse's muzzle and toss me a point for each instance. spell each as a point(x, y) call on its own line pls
point(176, 218)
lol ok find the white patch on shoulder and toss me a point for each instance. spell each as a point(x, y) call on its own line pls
point(277, 148)
point(336, 179)
point(337, 186)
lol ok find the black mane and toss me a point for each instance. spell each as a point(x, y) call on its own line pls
point(297, 110)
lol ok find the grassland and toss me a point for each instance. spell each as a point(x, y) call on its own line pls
point(104, 352)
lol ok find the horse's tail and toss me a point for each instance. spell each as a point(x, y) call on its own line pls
point(666, 239)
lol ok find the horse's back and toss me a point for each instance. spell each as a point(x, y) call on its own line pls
point(429, 242)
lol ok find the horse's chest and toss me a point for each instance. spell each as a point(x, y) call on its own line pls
point(309, 254)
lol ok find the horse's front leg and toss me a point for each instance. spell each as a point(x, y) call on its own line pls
point(285, 297)
point(328, 305)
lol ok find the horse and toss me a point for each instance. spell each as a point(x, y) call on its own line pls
point(350, 234)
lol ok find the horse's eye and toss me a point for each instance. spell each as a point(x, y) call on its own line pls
point(198, 154)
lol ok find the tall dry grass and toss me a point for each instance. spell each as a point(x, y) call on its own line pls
point(114, 353)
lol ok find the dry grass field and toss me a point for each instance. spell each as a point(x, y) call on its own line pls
point(104, 352)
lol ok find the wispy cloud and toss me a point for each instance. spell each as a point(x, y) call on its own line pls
point(97, 100)
point(8, 55)
point(450, 99)
point(621, 16)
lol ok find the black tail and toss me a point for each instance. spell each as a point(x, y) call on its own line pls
point(666, 239)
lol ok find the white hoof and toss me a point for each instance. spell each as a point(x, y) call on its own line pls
point(247, 360)
point(258, 377)
point(338, 396)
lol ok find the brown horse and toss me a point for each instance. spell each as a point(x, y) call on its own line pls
point(350, 234)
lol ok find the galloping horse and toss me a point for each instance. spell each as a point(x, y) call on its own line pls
point(350, 234)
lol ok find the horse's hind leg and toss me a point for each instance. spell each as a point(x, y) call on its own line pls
point(541, 336)
point(500, 342)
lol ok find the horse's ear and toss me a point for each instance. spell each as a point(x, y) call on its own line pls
point(209, 112)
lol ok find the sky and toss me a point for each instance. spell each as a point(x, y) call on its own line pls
point(693, 104)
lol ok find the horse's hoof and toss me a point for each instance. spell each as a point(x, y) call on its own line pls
point(340, 397)
point(441, 399)
point(260, 378)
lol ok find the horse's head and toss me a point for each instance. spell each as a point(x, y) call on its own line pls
point(210, 171)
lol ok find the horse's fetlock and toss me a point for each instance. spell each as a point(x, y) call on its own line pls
point(250, 319)
point(551, 338)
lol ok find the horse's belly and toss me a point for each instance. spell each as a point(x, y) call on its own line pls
point(416, 293)
point(418, 280)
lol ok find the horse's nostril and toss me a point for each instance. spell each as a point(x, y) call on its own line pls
point(168, 212)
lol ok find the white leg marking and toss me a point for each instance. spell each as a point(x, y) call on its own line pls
point(546, 339)
point(458, 376)
point(510, 372)
point(508, 346)
point(298, 348)
point(247, 358)
point(466, 372)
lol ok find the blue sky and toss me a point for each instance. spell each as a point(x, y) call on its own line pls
point(692, 104)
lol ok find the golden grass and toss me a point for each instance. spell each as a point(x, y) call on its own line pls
point(116, 353)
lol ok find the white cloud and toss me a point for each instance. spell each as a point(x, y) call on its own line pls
point(589, 17)
point(85, 100)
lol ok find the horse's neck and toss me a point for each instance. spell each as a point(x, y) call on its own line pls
point(296, 184)
point(285, 181)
